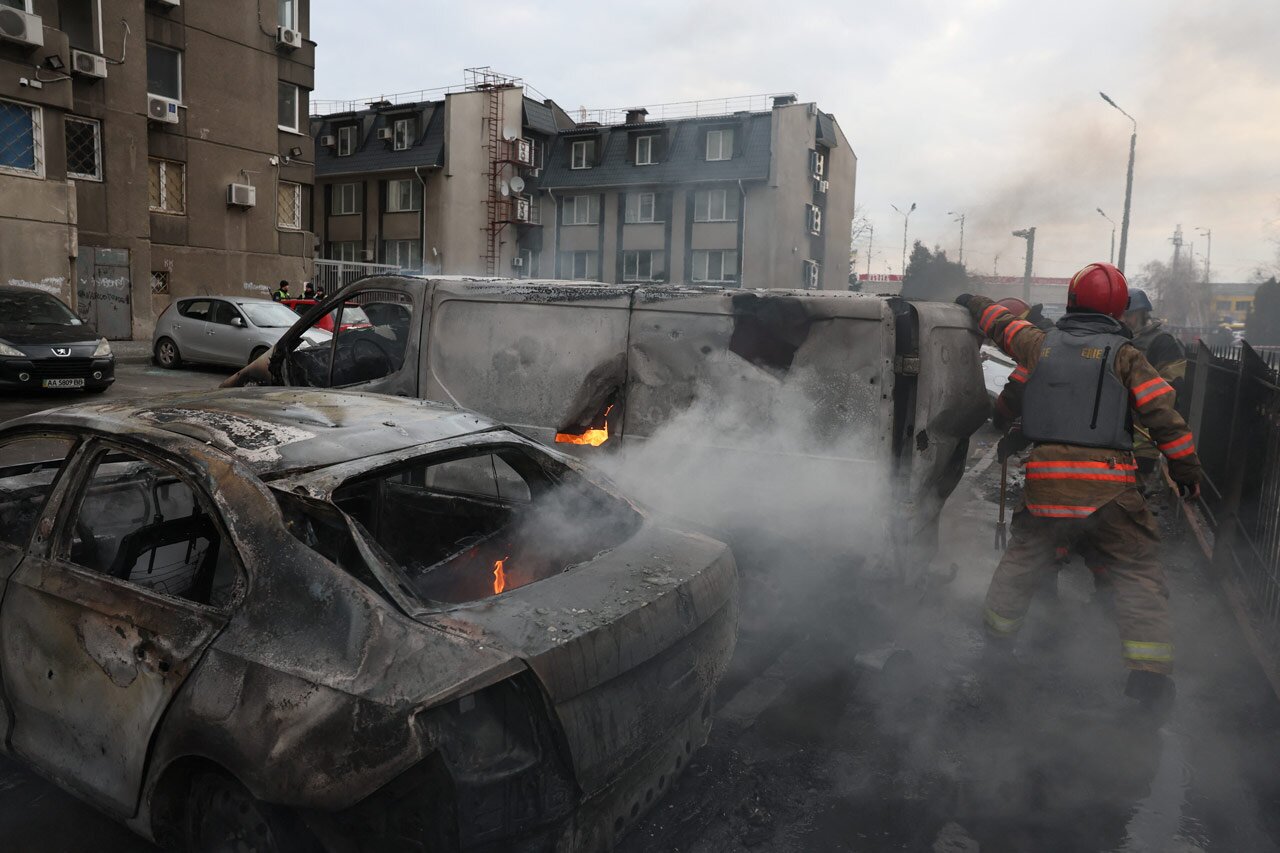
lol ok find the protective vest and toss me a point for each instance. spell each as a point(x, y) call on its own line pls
point(1074, 395)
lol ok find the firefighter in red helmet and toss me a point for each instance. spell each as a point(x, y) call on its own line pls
point(1085, 384)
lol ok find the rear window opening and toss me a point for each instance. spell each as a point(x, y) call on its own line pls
point(468, 527)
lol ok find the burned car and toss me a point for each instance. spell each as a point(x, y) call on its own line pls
point(270, 619)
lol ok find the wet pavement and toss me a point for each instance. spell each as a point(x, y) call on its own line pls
point(819, 748)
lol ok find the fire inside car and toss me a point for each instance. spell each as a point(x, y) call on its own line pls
point(467, 527)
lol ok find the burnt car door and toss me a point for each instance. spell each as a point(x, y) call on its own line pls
point(105, 619)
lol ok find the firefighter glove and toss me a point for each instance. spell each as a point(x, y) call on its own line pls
point(964, 299)
point(1012, 443)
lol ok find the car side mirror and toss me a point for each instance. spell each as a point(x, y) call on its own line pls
point(237, 321)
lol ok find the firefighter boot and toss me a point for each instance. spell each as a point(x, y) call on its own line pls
point(1154, 692)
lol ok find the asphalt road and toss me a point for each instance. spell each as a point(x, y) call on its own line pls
point(818, 748)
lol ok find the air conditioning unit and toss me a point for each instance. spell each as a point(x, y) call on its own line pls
point(328, 140)
point(242, 195)
point(162, 109)
point(522, 209)
point(517, 262)
point(286, 37)
point(524, 152)
point(811, 271)
point(88, 64)
point(822, 186)
point(815, 220)
point(21, 27)
point(386, 134)
point(817, 164)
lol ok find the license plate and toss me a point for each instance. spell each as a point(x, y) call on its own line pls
point(62, 383)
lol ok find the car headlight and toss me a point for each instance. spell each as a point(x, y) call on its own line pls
point(103, 350)
point(11, 352)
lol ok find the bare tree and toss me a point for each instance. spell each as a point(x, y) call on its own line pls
point(1179, 292)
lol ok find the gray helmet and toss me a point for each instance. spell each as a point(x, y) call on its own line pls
point(1138, 301)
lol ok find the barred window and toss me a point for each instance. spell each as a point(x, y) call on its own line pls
point(167, 185)
point(84, 149)
point(21, 139)
point(289, 206)
point(159, 281)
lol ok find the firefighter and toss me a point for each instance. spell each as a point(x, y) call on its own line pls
point(1085, 383)
point(1168, 358)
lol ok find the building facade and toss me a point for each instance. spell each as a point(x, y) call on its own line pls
point(151, 149)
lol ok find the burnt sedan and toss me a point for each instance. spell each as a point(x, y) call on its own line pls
point(290, 620)
point(43, 344)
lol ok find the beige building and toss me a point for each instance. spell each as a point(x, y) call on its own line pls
point(153, 148)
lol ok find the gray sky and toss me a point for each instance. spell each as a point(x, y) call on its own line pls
point(985, 106)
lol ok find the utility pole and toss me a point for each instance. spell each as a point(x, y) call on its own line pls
point(1176, 240)
point(995, 266)
point(1028, 234)
point(1112, 259)
point(959, 217)
point(871, 236)
point(905, 218)
point(1208, 254)
point(1128, 182)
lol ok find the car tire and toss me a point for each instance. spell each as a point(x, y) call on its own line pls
point(222, 815)
point(167, 355)
point(256, 354)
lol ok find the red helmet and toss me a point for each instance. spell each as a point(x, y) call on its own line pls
point(1100, 288)
point(1015, 306)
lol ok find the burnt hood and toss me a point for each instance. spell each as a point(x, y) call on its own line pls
point(48, 333)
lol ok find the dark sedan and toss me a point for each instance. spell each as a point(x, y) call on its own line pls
point(43, 344)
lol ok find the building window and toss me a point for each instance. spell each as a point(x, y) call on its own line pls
point(818, 163)
point(346, 140)
point(287, 107)
point(644, 151)
point(642, 266)
point(405, 254)
point(581, 210)
point(159, 281)
point(404, 194)
point(714, 206)
point(344, 250)
point(720, 144)
point(84, 149)
point(81, 21)
point(535, 210)
point(813, 218)
point(164, 71)
point(640, 207)
point(289, 206)
point(536, 153)
point(167, 182)
point(811, 275)
point(581, 157)
point(717, 266)
point(289, 14)
point(404, 133)
point(579, 265)
point(21, 139)
point(346, 199)
point(20, 5)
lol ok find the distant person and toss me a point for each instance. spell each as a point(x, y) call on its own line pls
point(308, 291)
point(1166, 355)
point(281, 292)
point(1086, 383)
point(319, 294)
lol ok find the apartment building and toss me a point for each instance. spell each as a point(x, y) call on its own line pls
point(151, 149)
point(754, 199)
point(440, 185)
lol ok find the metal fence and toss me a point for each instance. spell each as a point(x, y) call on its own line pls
point(331, 275)
point(1232, 402)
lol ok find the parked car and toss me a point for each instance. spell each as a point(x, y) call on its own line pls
point(43, 344)
point(223, 330)
point(241, 619)
point(353, 316)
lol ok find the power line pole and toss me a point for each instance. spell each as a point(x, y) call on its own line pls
point(906, 217)
point(1128, 183)
point(871, 236)
point(1028, 234)
point(959, 217)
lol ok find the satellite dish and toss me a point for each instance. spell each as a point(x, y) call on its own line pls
point(517, 184)
point(504, 187)
point(509, 135)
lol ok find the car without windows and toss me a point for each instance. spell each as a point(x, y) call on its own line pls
point(373, 623)
point(223, 330)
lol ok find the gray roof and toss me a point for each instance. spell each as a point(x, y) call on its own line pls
point(376, 155)
point(539, 117)
point(827, 130)
point(685, 160)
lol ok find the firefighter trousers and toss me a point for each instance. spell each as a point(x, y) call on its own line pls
point(1123, 534)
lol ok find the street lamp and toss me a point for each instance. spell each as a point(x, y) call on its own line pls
point(905, 218)
point(1128, 183)
point(1113, 235)
point(1208, 233)
point(1028, 234)
point(959, 217)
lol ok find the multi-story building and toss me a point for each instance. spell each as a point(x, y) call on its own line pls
point(757, 199)
point(153, 148)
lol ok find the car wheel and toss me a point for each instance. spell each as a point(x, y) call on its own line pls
point(167, 355)
point(223, 816)
point(257, 354)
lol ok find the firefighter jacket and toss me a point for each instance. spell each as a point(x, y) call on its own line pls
point(1166, 355)
point(1074, 396)
point(1073, 481)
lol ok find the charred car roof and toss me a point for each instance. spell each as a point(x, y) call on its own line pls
point(275, 430)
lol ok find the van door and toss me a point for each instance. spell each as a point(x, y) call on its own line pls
point(547, 359)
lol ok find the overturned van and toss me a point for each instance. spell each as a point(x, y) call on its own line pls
point(841, 414)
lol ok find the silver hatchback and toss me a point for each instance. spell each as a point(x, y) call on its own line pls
point(222, 330)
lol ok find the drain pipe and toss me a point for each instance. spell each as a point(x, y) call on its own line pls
point(555, 244)
point(742, 254)
point(422, 262)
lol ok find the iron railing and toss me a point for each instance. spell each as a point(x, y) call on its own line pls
point(331, 275)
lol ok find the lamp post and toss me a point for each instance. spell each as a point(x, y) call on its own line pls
point(1028, 234)
point(1112, 259)
point(906, 217)
point(871, 237)
point(959, 217)
point(1208, 254)
point(1128, 182)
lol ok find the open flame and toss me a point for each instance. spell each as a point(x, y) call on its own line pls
point(499, 575)
point(594, 437)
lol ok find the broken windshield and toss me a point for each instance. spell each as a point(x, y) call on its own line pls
point(469, 526)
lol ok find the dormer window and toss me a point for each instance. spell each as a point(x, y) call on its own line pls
point(347, 140)
point(720, 144)
point(580, 154)
point(404, 132)
point(645, 153)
